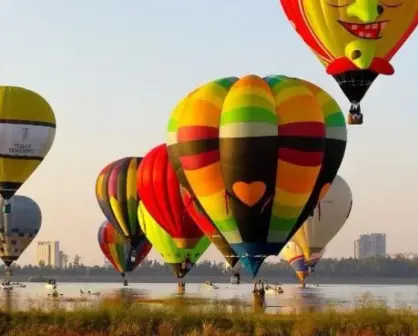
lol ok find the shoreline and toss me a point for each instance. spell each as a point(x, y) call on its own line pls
point(225, 279)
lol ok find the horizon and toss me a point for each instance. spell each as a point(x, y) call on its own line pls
point(114, 72)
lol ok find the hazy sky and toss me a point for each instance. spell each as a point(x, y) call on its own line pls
point(114, 70)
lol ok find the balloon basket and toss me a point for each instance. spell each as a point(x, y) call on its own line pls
point(7, 208)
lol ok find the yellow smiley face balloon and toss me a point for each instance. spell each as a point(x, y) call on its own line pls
point(354, 39)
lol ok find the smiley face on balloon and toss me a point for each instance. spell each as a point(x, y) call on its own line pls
point(354, 34)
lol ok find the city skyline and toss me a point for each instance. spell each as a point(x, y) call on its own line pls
point(364, 247)
point(113, 73)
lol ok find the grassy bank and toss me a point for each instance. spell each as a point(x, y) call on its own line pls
point(192, 319)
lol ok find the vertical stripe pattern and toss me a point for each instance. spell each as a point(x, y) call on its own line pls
point(117, 197)
point(251, 150)
point(118, 249)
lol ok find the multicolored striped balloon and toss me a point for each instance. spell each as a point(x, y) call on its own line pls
point(117, 197)
point(335, 144)
point(251, 150)
point(181, 260)
point(293, 254)
point(119, 251)
point(189, 198)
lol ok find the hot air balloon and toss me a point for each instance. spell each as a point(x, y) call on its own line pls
point(118, 250)
point(180, 259)
point(189, 198)
point(354, 39)
point(159, 190)
point(27, 131)
point(18, 229)
point(208, 228)
point(293, 255)
point(118, 199)
point(251, 150)
point(328, 218)
point(335, 145)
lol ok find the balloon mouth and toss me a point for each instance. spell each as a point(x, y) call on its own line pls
point(185, 243)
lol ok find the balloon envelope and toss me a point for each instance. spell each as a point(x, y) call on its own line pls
point(165, 245)
point(251, 150)
point(27, 131)
point(355, 40)
point(118, 199)
point(206, 225)
point(335, 145)
point(118, 250)
point(19, 228)
point(159, 190)
point(193, 207)
point(293, 254)
point(329, 217)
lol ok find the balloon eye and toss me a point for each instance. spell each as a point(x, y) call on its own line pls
point(389, 4)
point(339, 3)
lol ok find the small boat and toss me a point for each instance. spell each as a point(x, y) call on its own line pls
point(270, 290)
point(94, 293)
point(18, 284)
point(51, 284)
point(210, 285)
point(273, 289)
point(5, 285)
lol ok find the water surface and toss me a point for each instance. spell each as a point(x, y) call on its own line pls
point(293, 299)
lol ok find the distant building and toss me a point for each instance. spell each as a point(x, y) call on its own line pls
point(49, 253)
point(61, 259)
point(370, 245)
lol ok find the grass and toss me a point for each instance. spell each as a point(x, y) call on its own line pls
point(194, 317)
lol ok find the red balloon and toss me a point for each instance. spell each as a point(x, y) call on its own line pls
point(159, 190)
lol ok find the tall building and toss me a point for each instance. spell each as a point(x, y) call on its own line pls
point(370, 245)
point(49, 253)
point(61, 259)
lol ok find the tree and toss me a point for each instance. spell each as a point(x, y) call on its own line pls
point(76, 261)
point(65, 260)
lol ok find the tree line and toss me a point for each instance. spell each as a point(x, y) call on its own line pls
point(346, 267)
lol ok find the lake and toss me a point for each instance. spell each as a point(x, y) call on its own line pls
point(293, 299)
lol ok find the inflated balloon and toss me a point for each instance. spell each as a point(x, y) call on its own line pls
point(209, 229)
point(19, 228)
point(159, 190)
point(181, 260)
point(27, 131)
point(118, 250)
point(293, 254)
point(335, 145)
point(328, 218)
point(354, 39)
point(118, 199)
point(251, 150)
point(189, 198)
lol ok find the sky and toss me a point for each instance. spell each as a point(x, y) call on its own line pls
point(114, 70)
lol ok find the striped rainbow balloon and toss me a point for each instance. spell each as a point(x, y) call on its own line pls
point(251, 150)
point(118, 250)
